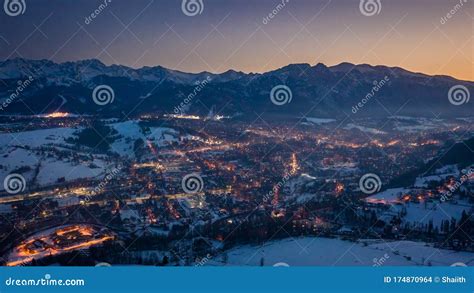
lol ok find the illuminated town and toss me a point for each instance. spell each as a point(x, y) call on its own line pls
point(168, 190)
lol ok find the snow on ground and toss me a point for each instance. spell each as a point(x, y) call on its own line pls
point(364, 129)
point(319, 121)
point(439, 175)
point(414, 128)
point(51, 170)
point(130, 131)
point(35, 138)
point(418, 124)
point(311, 251)
point(387, 196)
point(22, 151)
point(418, 214)
point(296, 185)
point(342, 168)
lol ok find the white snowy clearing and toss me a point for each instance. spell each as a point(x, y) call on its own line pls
point(319, 121)
point(364, 129)
point(130, 131)
point(312, 251)
point(35, 153)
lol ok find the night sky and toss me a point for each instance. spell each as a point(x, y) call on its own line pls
point(232, 34)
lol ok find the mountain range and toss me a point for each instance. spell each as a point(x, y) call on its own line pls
point(317, 90)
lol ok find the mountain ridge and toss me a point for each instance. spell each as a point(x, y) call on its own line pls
point(326, 91)
point(336, 67)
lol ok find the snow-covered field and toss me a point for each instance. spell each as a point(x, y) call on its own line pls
point(319, 121)
point(438, 175)
point(388, 196)
point(351, 126)
point(44, 156)
point(311, 251)
point(28, 151)
point(130, 131)
point(418, 214)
